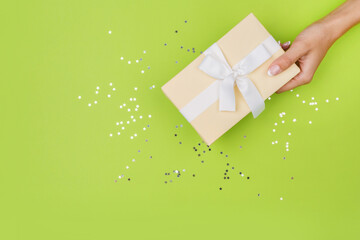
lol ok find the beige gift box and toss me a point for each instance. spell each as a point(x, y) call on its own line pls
point(235, 45)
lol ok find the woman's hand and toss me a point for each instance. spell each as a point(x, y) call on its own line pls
point(311, 45)
point(307, 51)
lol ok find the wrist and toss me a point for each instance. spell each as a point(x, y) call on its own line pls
point(332, 30)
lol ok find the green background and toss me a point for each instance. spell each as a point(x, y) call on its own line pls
point(59, 164)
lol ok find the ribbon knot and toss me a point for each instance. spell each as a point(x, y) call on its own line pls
point(239, 70)
point(237, 74)
point(216, 66)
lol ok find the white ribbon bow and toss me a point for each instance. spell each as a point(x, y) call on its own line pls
point(215, 65)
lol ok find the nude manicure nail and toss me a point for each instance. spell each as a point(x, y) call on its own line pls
point(273, 70)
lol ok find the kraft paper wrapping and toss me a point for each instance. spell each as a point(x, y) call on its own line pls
point(235, 45)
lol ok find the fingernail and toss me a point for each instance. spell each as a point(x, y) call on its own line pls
point(286, 44)
point(273, 70)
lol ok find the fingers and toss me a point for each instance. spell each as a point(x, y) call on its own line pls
point(293, 53)
point(308, 67)
point(293, 83)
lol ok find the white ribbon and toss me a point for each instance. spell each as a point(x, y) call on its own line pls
point(216, 66)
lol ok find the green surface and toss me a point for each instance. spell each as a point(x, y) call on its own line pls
point(59, 165)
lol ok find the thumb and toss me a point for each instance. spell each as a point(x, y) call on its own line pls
point(287, 59)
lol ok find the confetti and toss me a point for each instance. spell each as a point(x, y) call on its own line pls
point(200, 149)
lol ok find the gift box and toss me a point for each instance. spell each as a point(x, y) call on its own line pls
point(229, 80)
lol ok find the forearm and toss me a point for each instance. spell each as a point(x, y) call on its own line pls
point(342, 19)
